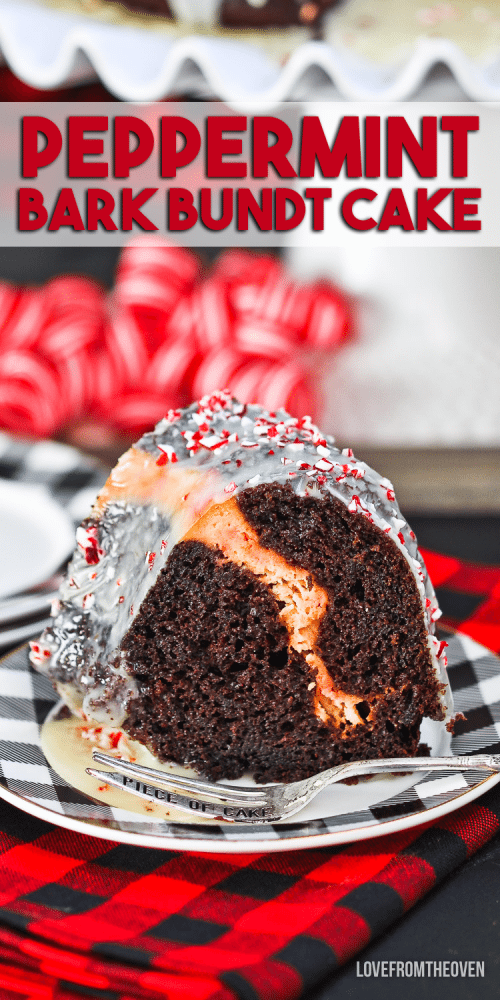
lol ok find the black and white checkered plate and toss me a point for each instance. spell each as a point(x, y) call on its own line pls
point(52, 481)
point(70, 478)
point(28, 781)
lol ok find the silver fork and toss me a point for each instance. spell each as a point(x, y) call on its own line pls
point(262, 803)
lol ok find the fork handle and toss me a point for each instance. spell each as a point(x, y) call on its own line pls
point(476, 762)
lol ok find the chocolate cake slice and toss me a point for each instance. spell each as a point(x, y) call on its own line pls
point(246, 597)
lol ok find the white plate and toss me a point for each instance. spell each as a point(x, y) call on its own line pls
point(341, 815)
point(52, 47)
point(36, 536)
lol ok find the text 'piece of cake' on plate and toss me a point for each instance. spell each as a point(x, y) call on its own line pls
point(245, 597)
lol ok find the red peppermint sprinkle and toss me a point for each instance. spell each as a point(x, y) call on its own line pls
point(86, 539)
point(167, 455)
point(356, 506)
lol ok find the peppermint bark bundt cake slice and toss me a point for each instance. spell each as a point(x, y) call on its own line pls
point(246, 597)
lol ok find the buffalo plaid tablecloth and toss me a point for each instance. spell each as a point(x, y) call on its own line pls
point(84, 917)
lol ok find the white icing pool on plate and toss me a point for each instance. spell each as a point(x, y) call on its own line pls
point(69, 753)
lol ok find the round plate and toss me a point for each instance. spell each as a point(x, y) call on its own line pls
point(370, 809)
point(36, 536)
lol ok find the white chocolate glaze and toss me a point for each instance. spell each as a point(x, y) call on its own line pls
point(67, 744)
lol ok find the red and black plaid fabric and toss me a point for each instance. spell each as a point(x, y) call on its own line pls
point(475, 597)
point(84, 917)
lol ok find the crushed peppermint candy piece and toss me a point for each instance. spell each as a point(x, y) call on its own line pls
point(167, 454)
point(172, 416)
point(356, 506)
point(86, 540)
point(107, 739)
point(40, 652)
point(399, 522)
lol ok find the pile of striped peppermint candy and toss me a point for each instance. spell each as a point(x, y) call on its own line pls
point(169, 332)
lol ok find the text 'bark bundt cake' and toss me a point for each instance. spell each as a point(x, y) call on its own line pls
point(246, 597)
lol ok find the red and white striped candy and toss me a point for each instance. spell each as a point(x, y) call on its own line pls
point(212, 317)
point(183, 319)
point(172, 369)
point(218, 368)
point(297, 307)
point(287, 386)
point(263, 337)
point(242, 267)
point(146, 290)
point(28, 318)
point(125, 342)
point(25, 411)
point(157, 255)
point(250, 279)
point(72, 293)
point(30, 385)
point(246, 382)
point(104, 379)
point(165, 339)
point(74, 384)
point(74, 316)
point(329, 321)
point(155, 274)
point(9, 297)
